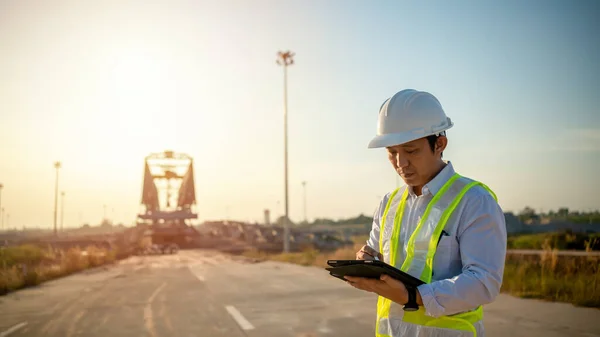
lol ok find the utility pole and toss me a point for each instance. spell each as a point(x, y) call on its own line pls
point(1, 187)
point(2, 216)
point(62, 210)
point(285, 59)
point(304, 188)
point(57, 165)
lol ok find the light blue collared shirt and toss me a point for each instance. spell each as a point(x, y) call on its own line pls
point(469, 261)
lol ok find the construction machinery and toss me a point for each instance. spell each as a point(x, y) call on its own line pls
point(168, 203)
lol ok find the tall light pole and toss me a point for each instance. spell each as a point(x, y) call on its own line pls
point(2, 216)
point(57, 166)
point(285, 59)
point(304, 189)
point(62, 210)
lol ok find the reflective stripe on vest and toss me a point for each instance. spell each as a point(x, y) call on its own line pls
point(418, 261)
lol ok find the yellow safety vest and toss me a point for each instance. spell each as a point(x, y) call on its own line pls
point(392, 321)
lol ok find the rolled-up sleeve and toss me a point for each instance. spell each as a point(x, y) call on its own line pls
point(482, 240)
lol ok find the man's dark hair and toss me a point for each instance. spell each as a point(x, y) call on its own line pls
point(432, 139)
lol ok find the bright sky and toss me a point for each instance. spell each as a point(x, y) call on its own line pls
point(99, 85)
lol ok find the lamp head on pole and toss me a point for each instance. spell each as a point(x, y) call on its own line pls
point(57, 164)
point(285, 58)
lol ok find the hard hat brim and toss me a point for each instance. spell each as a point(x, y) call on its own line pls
point(393, 139)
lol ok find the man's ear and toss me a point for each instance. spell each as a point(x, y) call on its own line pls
point(440, 144)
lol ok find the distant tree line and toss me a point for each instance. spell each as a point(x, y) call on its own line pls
point(529, 214)
point(358, 220)
point(361, 219)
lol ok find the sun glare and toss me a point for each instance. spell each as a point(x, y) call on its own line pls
point(137, 76)
point(136, 106)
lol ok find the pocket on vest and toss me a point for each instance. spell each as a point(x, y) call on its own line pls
point(447, 255)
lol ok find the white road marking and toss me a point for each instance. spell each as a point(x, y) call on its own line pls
point(13, 329)
point(156, 292)
point(149, 320)
point(194, 270)
point(209, 261)
point(239, 319)
point(324, 329)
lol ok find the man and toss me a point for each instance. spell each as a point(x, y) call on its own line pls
point(446, 229)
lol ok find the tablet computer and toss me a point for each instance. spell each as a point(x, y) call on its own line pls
point(370, 269)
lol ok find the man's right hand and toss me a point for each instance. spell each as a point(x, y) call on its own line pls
point(368, 253)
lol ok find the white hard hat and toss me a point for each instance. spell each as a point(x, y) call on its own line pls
point(409, 115)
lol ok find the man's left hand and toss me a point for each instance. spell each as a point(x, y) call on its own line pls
point(386, 286)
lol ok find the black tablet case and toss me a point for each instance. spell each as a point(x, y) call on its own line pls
point(370, 269)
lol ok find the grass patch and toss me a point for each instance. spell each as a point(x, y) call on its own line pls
point(560, 241)
point(29, 265)
point(571, 279)
point(310, 256)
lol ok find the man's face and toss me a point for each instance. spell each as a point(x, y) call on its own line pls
point(415, 162)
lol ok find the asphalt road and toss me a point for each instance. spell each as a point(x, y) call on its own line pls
point(203, 293)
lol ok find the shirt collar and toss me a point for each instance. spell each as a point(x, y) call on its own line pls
point(435, 184)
